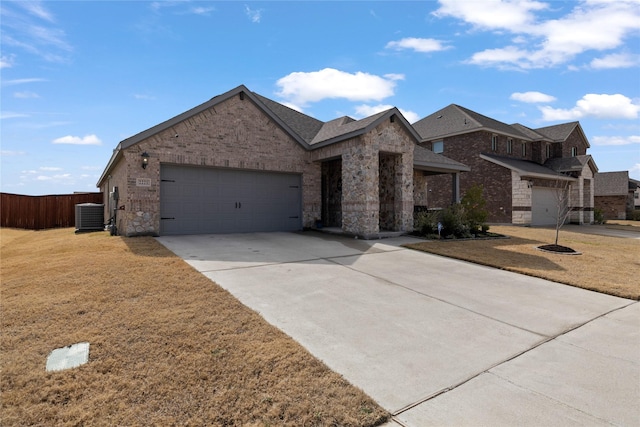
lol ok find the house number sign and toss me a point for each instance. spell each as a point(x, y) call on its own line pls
point(143, 182)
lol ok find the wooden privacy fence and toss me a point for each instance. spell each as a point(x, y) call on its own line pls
point(41, 212)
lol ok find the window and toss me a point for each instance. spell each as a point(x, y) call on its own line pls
point(548, 150)
point(509, 146)
point(574, 151)
point(494, 143)
point(524, 149)
point(437, 146)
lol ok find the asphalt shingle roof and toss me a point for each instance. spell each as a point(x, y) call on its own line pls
point(306, 127)
point(455, 120)
point(524, 167)
point(568, 164)
point(612, 184)
point(558, 132)
point(425, 157)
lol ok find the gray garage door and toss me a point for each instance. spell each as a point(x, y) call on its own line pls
point(544, 206)
point(199, 200)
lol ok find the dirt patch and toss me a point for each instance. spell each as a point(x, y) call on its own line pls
point(606, 264)
point(168, 347)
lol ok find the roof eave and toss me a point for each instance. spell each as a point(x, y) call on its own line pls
point(369, 127)
point(117, 154)
point(439, 167)
point(477, 129)
point(526, 174)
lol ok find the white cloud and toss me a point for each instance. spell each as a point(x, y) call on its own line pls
point(201, 10)
point(22, 81)
point(29, 26)
point(36, 8)
point(11, 115)
point(492, 14)
point(157, 7)
point(418, 45)
point(145, 97)
point(532, 97)
point(7, 61)
point(50, 168)
point(76, 140)
point(369, 110)
point(254, 15)
point(541, 42)
point(635, 169)
point(600, 106)
point(7, 153)
point(59, 177)
point(508, 57)
point(301, 88)
point(26, 95)
point(616, 60)
point(616, 140)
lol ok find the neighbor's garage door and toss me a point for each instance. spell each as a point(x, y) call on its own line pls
point(544, 206)
point(199, 200)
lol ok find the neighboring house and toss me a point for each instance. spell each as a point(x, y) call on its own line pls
point(522, 170)
point(614, 194)
point(636, 193)
point(244, 163)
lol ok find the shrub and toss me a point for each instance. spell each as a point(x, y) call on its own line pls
point(454, 223)
point(598, 216)
point(475, 214)
point(426, 223)
point(635, 215)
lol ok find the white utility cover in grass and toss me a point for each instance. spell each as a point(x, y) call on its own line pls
point(68, 357)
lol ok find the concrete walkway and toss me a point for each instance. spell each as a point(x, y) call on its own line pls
point(433, 340)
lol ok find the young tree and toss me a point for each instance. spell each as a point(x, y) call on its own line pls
point(562, 193)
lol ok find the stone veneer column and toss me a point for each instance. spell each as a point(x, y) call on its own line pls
point(360, 190)
point(404, 192)
point(521, 194)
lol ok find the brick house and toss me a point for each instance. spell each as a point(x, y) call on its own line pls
point(615, 194)
point(522, 170)
point(241, 162)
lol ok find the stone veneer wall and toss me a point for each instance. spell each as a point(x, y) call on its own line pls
point(420, 189)
point(332, 193)
point(387, 191)
point(233, 134)
point(361, 178)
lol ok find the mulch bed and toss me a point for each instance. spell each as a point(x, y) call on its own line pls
point(559, 249)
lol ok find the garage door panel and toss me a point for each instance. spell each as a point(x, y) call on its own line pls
point(544, 206)
point(207, 200)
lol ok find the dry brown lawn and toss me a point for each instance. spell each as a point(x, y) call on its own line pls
point(609, 265)
point(167, 346)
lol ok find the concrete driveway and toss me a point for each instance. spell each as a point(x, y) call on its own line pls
point(433, 340)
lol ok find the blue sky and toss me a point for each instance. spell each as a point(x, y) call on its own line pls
point(77, 77)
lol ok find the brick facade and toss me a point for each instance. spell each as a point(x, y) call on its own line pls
point(509, 195)
point(466, 149)
point(613, 207)
point(234, 134)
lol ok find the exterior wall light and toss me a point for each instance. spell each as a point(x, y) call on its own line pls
point(145, 160)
